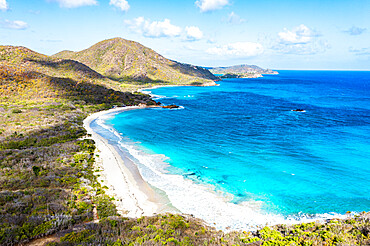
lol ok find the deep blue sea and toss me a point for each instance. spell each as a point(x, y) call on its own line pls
point(242, 143)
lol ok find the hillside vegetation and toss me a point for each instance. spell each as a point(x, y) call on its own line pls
point(49, 185)
point(46, 166)
point(124, 60)
point(171, 229)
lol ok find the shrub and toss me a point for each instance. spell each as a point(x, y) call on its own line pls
point(105, 207)
point(36, 170)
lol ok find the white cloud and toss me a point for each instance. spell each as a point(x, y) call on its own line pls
point(193, 33)
point(355, 30)
point(239, 49)
point(209, 5)
point(235, 19)
point(154, 29)
point(75, 3)
point(301, 40)
point(299, 35)
point(18, 25)
point(158, 29)
point(121, 4)
point(3, 5)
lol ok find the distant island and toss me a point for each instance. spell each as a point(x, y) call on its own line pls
point(240, 71)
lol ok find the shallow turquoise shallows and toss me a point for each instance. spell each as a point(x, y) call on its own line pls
point(243, 139)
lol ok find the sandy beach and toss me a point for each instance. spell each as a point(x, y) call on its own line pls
point(134, 197)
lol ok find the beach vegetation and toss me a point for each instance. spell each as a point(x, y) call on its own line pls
point(47, 182)
point(171, 229)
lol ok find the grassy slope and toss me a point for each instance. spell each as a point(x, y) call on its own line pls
point(30, 61)
point(121, 59)
point(47, 180)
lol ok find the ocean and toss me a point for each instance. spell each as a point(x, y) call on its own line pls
point(239, 157)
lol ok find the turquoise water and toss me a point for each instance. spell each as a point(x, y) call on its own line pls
point(243, 139)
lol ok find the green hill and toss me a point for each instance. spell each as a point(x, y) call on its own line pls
point(27, 78)
point(30, 61)
point(125, 60)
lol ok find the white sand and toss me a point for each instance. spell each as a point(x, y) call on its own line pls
point(133, 196)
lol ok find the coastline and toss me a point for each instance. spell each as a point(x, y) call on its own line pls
point(134, 197)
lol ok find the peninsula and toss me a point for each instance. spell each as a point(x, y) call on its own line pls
point(241, 71)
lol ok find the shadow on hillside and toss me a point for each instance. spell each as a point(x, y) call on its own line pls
point(76, 66)
point(139, 81)
point(150, 82)
point(90, 93)
point(136, 80)
point(72, 65)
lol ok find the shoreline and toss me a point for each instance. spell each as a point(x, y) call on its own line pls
point(134, 197)
point(139, 198)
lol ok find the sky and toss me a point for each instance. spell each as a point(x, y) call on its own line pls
point(277, 34)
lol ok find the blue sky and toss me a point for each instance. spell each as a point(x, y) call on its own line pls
point(278, 34)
